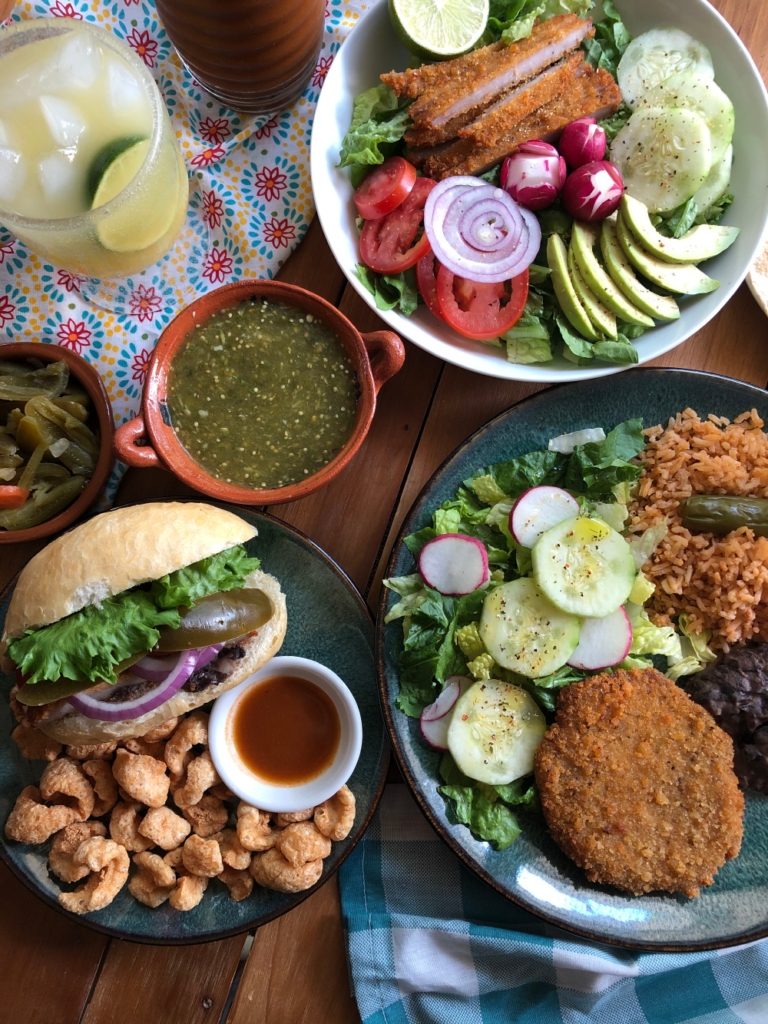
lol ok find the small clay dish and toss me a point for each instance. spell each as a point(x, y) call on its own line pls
point(101, 417)
point(149, 440)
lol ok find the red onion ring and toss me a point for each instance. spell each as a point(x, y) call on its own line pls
point(96, 705)
point(478, 232)
point(156, 667)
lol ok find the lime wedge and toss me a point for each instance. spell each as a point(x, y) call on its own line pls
point(104, 160)
point(436, 29)
point(133, 226)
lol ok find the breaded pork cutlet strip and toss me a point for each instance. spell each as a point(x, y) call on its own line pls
point(413, 82)
point(518, 104)
point(474, 85)
point(591, 93)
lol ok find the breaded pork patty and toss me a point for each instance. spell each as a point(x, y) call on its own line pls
point(637, 784)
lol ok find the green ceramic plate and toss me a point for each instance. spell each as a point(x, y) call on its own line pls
point(533, 872)
point(328, 622)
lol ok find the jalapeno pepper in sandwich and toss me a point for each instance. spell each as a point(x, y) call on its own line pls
point(136, 616)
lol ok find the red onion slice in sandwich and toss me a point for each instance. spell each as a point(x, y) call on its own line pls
point(97, 705)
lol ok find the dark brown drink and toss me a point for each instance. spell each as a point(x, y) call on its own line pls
point(253, 55)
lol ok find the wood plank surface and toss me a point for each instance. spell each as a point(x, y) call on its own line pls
point(295, 973)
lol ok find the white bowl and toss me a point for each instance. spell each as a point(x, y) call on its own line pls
point(372, 48)
point(254, 790)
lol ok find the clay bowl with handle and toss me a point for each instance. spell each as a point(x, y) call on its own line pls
point(150, 440)
point(101, 418)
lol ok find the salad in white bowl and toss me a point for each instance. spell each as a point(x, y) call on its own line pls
point(483, 223)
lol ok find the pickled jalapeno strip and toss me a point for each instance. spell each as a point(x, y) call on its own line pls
point(28, 475)
point(42, 505)
point(721, 513)
point(50, 381)
point(217, 618)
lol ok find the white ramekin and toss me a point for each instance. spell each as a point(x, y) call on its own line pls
point(254, 790)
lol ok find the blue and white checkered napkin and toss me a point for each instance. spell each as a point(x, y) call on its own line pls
point(429, 943)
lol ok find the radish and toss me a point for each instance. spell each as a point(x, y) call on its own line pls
point(436, 718)
point(454, 564)
point(603, 642)
point(538, 510)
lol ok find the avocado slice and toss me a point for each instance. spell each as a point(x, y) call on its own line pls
point(602, 318)
point(557, 259)
point(583, 238)
point(680, 278)
point(700, 243)
point(661, 306)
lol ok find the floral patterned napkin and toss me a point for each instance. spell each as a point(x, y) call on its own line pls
point(250, 204)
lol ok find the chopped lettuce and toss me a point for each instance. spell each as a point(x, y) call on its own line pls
point(614, 513)
point(650, 639)
point(696, 654)
point(412, 591)
point(91, 643)
point(643, 545)
point(390, 291)
point(511, 20)
point(610, 40)
point(529, 340)
point(379, 121)
point(594, 469)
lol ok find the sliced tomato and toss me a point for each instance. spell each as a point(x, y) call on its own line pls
point(481, 311)
point(398, 241)
point(385, 188)
point(12, 496)
point(426, 279)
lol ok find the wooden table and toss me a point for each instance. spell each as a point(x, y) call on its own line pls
point(293, 971)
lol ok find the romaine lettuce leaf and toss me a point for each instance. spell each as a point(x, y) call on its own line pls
point(594, 469)
point(91, 643)
point(390, 290)
point(491, 821)
point(643, 545)
point(610, 40)
point(517, 475)
point(385, 126)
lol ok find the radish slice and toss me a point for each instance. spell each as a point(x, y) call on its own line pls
point(444, 703)
point(454, 564)
point(603, 642)
point(538, 510)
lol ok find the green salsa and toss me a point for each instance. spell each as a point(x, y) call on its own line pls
point(262, 395)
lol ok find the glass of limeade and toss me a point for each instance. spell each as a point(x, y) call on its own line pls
point(91, 175)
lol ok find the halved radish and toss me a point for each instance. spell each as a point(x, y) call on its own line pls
point(603, 642)
point(538, 510)
point(454, 564)
point(435, 718)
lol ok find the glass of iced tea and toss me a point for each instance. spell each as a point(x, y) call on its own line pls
point(91, 175)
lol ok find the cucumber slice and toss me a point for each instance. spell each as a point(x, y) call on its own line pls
point(654, 56)
point(584, 567)
point(702, 96)
point(523, 631)
point(661, 306)
point(664, 155)
point(680, 278)
point(716, 183)
point(494, 732)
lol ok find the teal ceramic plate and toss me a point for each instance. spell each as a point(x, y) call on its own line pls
point(533, 872)
point(328, 622)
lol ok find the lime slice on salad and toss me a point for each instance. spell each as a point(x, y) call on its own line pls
point(436, 29)
point(129, 228)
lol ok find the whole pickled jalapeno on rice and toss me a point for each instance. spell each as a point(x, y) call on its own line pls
point(722, 513)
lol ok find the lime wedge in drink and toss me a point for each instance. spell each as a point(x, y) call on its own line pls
point(128, 228)
point(436, 29)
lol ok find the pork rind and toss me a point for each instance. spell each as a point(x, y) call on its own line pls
point(32, 821)
point(162, 731)
point(222, 791)
point(143, 778)
point(290, 817)
point(154, 881)
point(202, 857)
point(175, 859)
point(254, 829)
point(35, 745)
point(108, 863)
point(201, 775)
point(239, 883)
point(64, 782)
point(336, 816)
point(138, 745)
point(92, 751)
point(192, 732)
point(233, 852)
point(208, 816)
point(66, 843)
point(273, 871)
point(104, 786)
point(188, 892)
point(124, 827)
point(164, 827)
point(301, 842)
